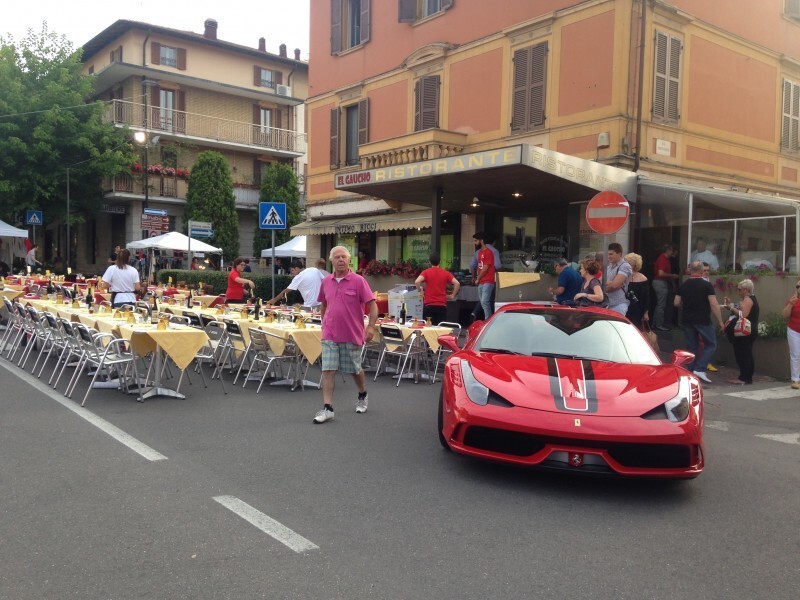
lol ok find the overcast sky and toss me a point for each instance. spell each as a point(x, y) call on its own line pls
point(240, 21)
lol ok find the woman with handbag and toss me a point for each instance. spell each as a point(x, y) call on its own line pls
point(739, 334)
point(791, 312)
point(591, 293)
point(638, 293)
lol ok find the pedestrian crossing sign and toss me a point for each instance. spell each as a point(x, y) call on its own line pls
point(272, 215)
point(33, 217)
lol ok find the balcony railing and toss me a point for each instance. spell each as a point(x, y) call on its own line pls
point(180, 123)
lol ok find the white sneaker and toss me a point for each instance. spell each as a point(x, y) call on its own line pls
point(361, 404)
point(701, 375)
point(324, 415)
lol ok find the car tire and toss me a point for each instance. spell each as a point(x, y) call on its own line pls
point(440, 420)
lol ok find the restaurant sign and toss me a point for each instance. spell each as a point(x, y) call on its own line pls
point(440, 166)
point(355, 228)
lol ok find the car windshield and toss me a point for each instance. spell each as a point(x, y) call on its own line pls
point(567, 333)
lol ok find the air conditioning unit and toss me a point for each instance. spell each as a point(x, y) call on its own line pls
point(283, 90)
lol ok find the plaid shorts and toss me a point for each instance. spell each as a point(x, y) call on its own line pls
point(344, 357)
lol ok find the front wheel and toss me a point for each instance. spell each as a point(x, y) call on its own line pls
point(440, 420)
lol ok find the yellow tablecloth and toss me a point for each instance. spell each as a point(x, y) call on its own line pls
point(178, 342)
point(308, 340)
point(11, 294)
point(431, 334)
point(505, 280)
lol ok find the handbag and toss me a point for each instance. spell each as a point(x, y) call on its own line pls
point(743, 327)
point(651, 335)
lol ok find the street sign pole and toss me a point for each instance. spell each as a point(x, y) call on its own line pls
point(273, 264)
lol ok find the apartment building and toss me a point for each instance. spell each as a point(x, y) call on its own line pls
point(185, 93)
point(431, 119)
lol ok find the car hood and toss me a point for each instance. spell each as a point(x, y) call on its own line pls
point(567, 385)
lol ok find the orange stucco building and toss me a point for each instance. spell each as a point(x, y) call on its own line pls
point(431, 119)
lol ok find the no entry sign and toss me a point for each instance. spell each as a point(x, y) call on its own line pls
point(607, 212)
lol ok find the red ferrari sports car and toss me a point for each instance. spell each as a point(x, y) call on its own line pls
point(578, 389)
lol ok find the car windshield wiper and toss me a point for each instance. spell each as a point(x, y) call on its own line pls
point(569, 356)
point(501, 351)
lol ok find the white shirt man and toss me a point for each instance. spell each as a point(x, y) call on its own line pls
point(305, 281)
point(705, 254)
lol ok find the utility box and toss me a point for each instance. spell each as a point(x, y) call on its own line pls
point(408, 294)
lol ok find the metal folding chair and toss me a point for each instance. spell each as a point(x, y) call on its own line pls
point(406, 351)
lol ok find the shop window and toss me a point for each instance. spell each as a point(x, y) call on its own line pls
point(168, 56)
point(410, 11)
point(426, 103)
point(666, 94)
point(350, 24)
point(790, 121)
point(530, 72)
point(349, 130)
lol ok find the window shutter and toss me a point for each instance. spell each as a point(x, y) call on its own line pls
point(155, 53)
point(278, 75)
point(790, 121)
point(364, 21)
point(426, 114)
point(336, 26)
point(667, 71)
point(521, 99)
point(538, 79)
point(406, 11)
point(119, 53)
point(277, 119)
point(257, 172)
point(256, 76)
point(335, 138)
point(530, 76)
point(181, 59)
point(180, 116)
point(363, 121)
point(111, 56)
point(447, 4)
point(673, 89)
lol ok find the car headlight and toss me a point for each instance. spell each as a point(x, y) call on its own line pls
point(678, 407)
point(476, 391)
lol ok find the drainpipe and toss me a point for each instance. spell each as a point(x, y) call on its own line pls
point(144, 47)
point(638, 156)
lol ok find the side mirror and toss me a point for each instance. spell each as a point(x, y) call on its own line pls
point(681, 357)
point(450, 342)
point(475, 329)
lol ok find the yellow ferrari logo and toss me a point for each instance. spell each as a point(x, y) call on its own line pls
point(577, 422)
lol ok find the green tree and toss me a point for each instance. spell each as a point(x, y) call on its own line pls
point(278, 184)
point(46, 127)
point(210, 198)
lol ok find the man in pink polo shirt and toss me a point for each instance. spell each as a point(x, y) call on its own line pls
point(343, 297)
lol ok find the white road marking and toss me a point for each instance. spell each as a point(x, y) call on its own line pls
point(103, 425)
point(786, 438)
point(266, 524)
point(775, 393)
point(718, 425)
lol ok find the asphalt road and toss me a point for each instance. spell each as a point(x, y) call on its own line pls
point(371, 504)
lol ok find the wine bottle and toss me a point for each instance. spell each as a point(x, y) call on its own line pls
point(89, 297)
point(403, 313)
point(258, 309)
point(155, 304)
point(189, 299)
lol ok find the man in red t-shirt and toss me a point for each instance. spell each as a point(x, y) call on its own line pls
point(435, 294)
point(484, 278)
point(663, 281)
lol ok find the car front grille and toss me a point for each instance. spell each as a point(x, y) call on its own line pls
point(514, 443)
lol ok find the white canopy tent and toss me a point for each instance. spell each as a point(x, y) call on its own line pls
point(171, 241)
point(294, 248)
point(13, 243)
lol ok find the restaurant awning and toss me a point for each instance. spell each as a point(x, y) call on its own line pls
point(366, 223)
point(503, 179)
